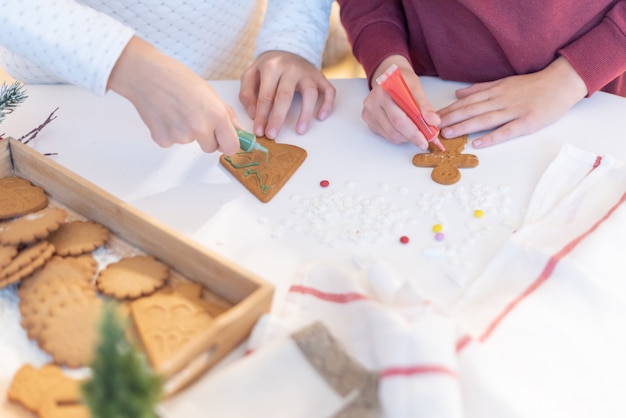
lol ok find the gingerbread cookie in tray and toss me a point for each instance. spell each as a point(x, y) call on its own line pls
point(66, 247)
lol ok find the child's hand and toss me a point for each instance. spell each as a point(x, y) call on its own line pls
point(514, 106)
point(385, 118)
point(175, 103)
point(268, 87)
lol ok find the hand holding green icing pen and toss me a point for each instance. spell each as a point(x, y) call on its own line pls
point(248, 142)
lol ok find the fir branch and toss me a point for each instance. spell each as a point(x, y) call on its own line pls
point(11, 96)
point(122, 385)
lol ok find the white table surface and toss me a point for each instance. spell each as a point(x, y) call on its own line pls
point(103, 140)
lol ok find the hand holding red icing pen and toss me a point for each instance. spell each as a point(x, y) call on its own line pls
point(393, 83)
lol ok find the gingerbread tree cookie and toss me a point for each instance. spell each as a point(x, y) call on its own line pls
point(264, 175)
point(446, 163)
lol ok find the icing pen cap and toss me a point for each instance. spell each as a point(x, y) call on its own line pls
point(393, 83)
point(248, 142)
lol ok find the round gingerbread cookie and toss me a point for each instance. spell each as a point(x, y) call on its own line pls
point(132, 277)
point(32, 227)
point(87, 261)
point(7, 253)
point(70, 335)
point(19, 197)
point(78, 237)
point(61, 282)
point(25, 263)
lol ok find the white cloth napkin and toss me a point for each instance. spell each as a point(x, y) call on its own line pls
point(384, 325)
point(546, 321)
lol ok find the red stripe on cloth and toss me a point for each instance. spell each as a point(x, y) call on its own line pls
point(596, 163)
point(463, 342)
point(329, 297)
point(416, 370)
point(549, 269)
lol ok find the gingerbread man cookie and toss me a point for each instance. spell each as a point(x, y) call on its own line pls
point(446, 163)
point(48, 392)
point(30, 384)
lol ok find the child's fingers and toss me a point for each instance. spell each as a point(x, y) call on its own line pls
point(277, 112)
point(264, 102)
point(328, 93)
point(507, 131)
point(250, 81)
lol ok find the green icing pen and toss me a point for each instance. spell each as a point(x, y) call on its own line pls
point(248, 142)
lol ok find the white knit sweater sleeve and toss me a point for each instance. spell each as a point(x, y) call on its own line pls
point(52, 41)
point(297, 26)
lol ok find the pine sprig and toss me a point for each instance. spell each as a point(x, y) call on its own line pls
point(11, 96)
point(121, 385)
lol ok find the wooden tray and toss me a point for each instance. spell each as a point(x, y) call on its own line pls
point(248, 295)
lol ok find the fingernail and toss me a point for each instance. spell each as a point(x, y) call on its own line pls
point(302, 128)
point(323, 115)
point(271, 133)
point(258, 131)
point(477, 143)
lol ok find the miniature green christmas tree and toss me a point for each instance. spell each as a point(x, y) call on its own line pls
point(121, 385)
point(11, 96)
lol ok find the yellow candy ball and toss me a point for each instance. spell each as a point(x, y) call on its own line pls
point(479, 213)
point(437, 228)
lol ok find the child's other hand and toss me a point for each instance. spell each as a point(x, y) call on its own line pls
point(385, 118)
point(513, 106)
point(268, 87)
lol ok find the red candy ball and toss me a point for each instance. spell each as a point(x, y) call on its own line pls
point(324, 183)
point(404, 239)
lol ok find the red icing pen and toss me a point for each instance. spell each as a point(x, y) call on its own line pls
point(393, 83)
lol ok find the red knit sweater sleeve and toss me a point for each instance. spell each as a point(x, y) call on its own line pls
point(599, 56)
point(376, 29)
